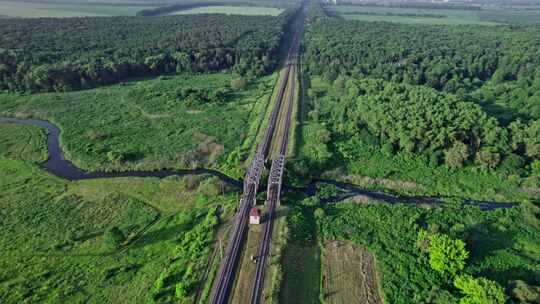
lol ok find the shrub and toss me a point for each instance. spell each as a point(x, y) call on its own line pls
point(526, 293)
point(238, 83)
point(456, 156)
point(479, 291)
point(446, 254)
point(113, 238)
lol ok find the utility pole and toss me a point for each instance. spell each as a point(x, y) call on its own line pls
point(220, 248)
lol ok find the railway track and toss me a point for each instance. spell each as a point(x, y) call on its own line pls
point(273, 195)
point(276, 174)
point(226, 274)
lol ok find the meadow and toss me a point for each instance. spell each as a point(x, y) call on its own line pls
point(165, 122)
point(22, 142)
point(436, 16)
point(39, 10)
point(84, 241)
point(231, 10)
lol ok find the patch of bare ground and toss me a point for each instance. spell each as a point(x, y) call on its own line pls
point(206, 152)
point(155, 115)
point(531, 191)
point(349, 274)
point(366, 181)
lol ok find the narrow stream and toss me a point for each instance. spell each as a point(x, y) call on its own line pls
point(350, 191)
point(59, 166)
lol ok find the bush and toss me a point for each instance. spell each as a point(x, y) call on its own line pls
point(488, 159)
point(456, 156)
point(113, 238)
point(446, 254)
point(479, 291)
point(526, 293)
point(239, 83)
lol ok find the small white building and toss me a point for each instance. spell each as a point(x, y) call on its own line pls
point(255, 216)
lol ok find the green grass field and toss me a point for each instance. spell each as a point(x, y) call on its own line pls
point(22, 142)
point(149, 124)
point(231, 10)
point(301, 264)
point(55, 234)
point(410, 15)
point(35, 10)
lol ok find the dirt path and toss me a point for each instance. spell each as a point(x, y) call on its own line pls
point(349, 274)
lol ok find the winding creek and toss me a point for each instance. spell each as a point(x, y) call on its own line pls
point(58, 165)
point(61, 167)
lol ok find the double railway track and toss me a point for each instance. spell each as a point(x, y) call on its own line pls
point(279, 124)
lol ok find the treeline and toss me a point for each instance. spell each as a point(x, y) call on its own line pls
point(410, 4)
point(438, 16)
point(77, 53)
point(496, 66)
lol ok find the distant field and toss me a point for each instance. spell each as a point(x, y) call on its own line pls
point(511, 16)
point(35, 10)
point(410, 15)
point(231, 10)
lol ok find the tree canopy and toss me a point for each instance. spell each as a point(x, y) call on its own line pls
point(49, 54)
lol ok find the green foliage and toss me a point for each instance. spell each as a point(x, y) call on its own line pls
point(446, 254)
point(319, 213)
point(491, 66)
point(182, 122)
point(22, 142)
point(238, 83)
point(401, 134)
point(526, 293)
point(54, 232)
point(126, 47)
point(456, 155)
point(479, 290)
point(496, 240)
point(113, 238)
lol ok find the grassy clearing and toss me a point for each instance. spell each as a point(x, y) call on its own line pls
point(23, 142)
point(349, 275)
point(301, 264)
point(37, 10)
point(301, 259)
point(58, 245)
point(410, 15)
point(148, 124)
point(232, 10)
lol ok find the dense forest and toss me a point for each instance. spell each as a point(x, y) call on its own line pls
point(77, 53)
point(458, 95)
point(499, 65)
